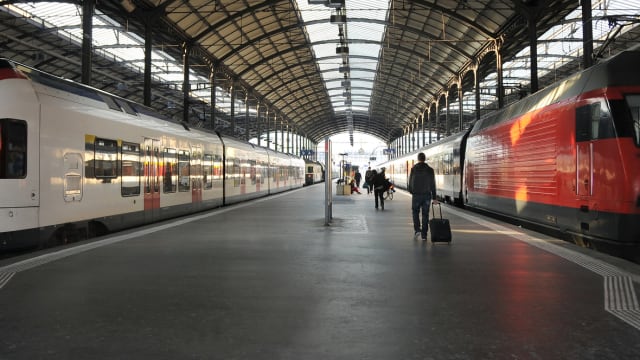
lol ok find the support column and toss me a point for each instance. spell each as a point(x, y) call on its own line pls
point(266, 126)
point(281, 134)
point(587, 33)
point(148, 34)
point(246, 115)
point(212, 77)
point(185, 82)
point(533, 50)
point(275, 131)
point(258, 124)
point(476, 83)
point(430, 121)
point(460, 109)
point(446, 115)
point(232, 91)
point(438, 119)
point(500, 89)
point(288, 130)
point(422, 129)
point(88, 7)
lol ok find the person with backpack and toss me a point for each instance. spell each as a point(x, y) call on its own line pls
point(379, 187)
point(422, 186)
point(368, 180)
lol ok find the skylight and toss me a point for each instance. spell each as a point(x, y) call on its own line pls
point(363, 33)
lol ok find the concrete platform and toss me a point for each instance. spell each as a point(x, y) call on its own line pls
point(267, 280)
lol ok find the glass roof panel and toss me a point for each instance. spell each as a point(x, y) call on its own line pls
point(365, 24)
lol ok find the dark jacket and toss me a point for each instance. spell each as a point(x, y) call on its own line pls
point(422, 180)
point(379, 179)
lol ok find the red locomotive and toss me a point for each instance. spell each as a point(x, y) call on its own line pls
point(566, 158)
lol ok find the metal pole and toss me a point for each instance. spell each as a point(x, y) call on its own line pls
point(328, 199)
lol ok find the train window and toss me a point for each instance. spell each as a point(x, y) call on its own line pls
point(13, 149)
point(130, 169)
point(105, 159)
point(583, 123)
point(170, 171)
point(252, 171)
point(601, 121)
point(628, 117)
point(207, 171)
point(593, 122)
point(235, 166)
point(217, 167)
point(184, 173)
point(633, 102)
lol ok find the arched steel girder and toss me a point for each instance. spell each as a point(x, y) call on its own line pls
point(322, 42)
point(392, 86)
point(360, 123)
point(286, 29)
point(384, 108)
point(365, 123)
point(454, 15)
point(232, 18)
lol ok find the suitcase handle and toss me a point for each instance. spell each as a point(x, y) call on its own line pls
point(433, 208)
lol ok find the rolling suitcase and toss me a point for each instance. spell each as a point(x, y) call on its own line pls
point(439, 228)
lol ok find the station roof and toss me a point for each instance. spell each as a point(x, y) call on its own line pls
point(386, 61)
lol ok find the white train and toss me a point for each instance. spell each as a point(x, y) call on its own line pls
point(77, 162)
point(314, 172)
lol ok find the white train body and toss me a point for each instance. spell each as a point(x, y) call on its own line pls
point(77, 160)
point(314, 172)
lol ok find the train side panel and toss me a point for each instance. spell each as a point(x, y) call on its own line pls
point(244, 171)
point(19, 142)
point(563, 167)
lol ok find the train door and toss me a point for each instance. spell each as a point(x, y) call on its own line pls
point(584, 153)
point(196, 174)
point(151, 149)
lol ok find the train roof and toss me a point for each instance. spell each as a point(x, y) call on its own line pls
point(619, 70)
point(10, 69)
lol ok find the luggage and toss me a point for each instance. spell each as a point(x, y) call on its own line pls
point(439, 228)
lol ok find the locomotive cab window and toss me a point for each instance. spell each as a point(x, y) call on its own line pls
point(633, 101)
point(633, 104)
point(593, 122)
point(626, 117)
point(13, 149)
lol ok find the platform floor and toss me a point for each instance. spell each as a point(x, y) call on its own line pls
point(268, 280)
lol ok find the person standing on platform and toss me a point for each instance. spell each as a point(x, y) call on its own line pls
point(368, 180)
point(422, 186)
point(379, 184)
point(358, 178)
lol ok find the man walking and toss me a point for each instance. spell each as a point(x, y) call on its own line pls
point(422, 186)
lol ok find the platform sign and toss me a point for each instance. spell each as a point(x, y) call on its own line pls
point(372, 158)
point(390, 151)
point(306, 152)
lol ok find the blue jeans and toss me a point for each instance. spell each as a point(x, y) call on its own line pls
point(418, 202)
